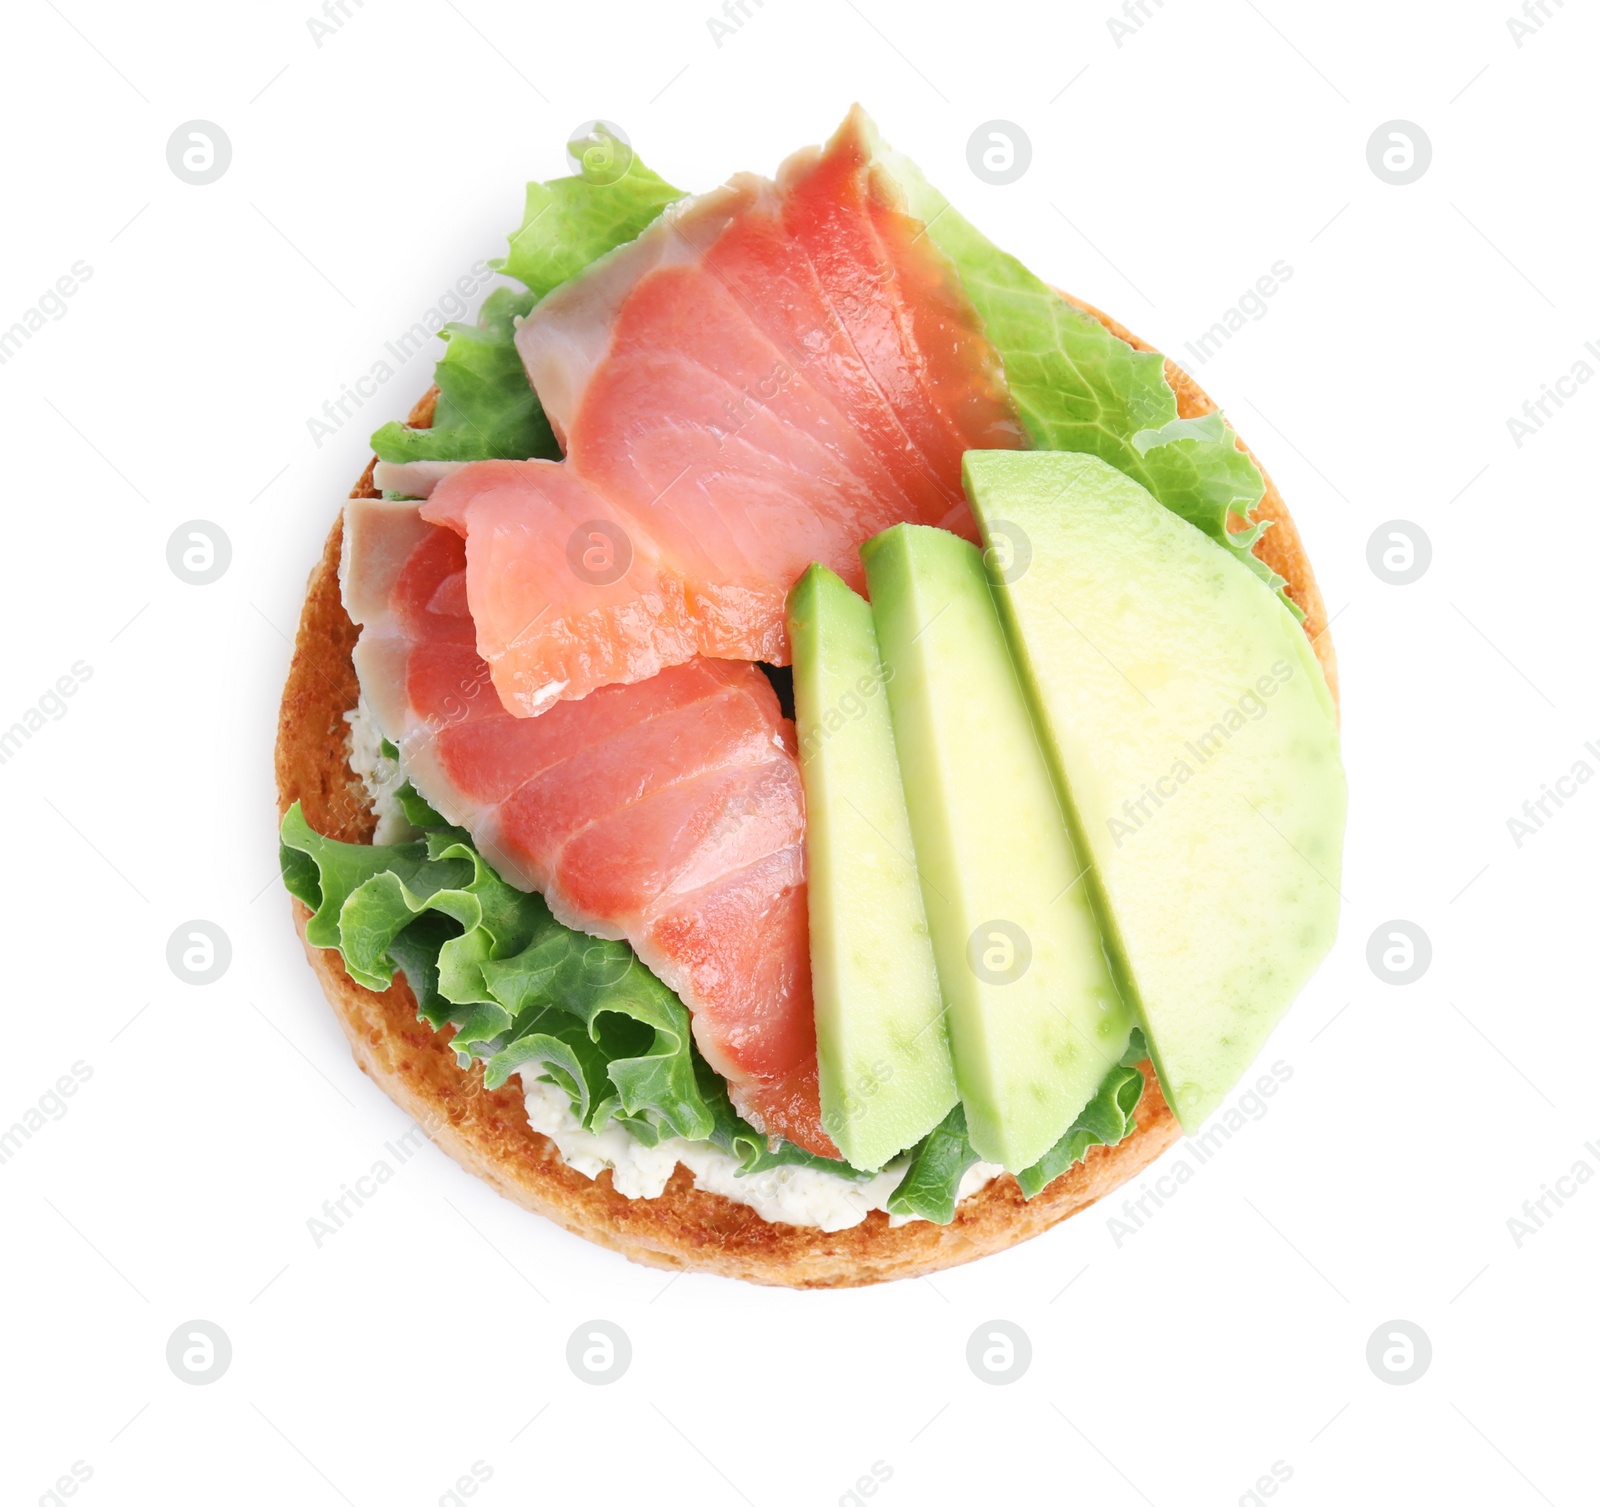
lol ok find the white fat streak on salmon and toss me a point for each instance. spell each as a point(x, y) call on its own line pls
point(572, 333)
point(412, 478)
point(767, 376)
point(685, 788)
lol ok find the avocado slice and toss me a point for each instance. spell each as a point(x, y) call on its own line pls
point(1035, 1018)
point(1194, 742)
point(883, 1052)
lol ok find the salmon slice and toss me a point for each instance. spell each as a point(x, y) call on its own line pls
point(667, 811)
point(769, 375)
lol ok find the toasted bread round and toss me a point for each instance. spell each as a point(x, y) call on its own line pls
point(487, 1130)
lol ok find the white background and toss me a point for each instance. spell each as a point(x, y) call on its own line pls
point(1168, 173)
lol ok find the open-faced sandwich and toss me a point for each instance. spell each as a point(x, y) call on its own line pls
point(811, 755)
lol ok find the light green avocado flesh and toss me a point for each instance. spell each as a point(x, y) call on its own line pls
point(1193, 738)
point(1035, 1019)
point(883, 1053)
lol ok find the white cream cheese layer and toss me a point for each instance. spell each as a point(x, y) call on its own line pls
point(379, 774)
point(781, 1195)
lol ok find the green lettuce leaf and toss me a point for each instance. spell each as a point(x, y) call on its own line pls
point(937, 1164)
point(417, 811)
point(492, 961)
point(1078, 387)
point(569, 222)
point(1103, 1121)
point(630, 1057)
point(364, 897)
point(487, 410)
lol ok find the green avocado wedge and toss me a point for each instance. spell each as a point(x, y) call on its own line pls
point(1194, 742)
point(883, 1053)
point(1036, 1021)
